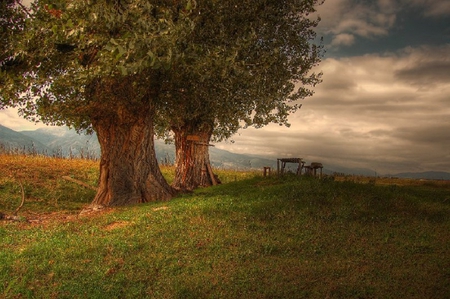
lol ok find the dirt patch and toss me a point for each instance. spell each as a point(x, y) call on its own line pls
point(29, 219)
point(160, 208)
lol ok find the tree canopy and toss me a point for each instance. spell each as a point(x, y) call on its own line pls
point(247, 64)
point(68, 46)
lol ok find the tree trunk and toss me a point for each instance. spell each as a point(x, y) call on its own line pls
point(191, 157)
point(129, 171)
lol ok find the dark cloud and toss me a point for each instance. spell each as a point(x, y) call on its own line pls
point(353, 27)
point(435, 134)
point(425, 74)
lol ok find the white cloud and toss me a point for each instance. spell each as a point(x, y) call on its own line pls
point(10, 118)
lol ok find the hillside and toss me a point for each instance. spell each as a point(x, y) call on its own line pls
point(276, 237)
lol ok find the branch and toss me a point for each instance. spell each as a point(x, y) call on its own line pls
point(23, 199)
point(24, 8)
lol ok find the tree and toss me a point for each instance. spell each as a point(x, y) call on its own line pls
point(116, 66)
point(264, 51)
point(97, 65)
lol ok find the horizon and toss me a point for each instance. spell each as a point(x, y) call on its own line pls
point(328, 168)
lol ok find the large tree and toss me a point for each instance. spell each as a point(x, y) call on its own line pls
point(97, 65)
point(264, 51)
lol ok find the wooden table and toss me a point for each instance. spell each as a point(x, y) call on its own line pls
point(283, 162)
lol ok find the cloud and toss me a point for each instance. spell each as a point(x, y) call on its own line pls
point(425, 67)
point(432, 8)
point(10, 118)
point(369, 112)
point(345, 23)
point(343, 39)
point(355, 18)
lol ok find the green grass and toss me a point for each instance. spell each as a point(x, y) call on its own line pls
point(277, 237)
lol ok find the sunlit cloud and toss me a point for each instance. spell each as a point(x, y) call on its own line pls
point(343, 39)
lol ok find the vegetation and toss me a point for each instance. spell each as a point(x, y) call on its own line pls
point(253, 237)
point(117, 67)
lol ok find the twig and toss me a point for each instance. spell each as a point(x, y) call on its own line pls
point(23, 199)
point(24, 8)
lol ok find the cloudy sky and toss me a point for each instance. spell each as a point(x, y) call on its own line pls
point(384, 103)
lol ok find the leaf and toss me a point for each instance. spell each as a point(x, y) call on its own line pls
point(69, 24)
point(123, 70)
point(189, 6)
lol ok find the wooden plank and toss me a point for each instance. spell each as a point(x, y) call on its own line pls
point(211, 174)
point(193, 138)
point(204, 144)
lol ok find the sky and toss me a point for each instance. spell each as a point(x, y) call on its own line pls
point(384, 103)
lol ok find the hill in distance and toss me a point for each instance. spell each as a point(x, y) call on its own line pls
point(428, 175)
point(12, 140)
point(65, 142)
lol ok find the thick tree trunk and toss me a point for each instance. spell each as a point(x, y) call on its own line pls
point(191, 157)
point(129, 171)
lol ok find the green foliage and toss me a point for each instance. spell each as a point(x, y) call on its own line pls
point(223, 62)
point(69, 47)
point(247, 63)
point(273, 237)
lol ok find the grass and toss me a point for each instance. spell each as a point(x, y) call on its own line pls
point(253, 237)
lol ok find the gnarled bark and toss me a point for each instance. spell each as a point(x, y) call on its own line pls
point(129, 171)
point(191, 157)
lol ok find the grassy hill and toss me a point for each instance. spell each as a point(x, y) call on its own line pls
point(252, 237)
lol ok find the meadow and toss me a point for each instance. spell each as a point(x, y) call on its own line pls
point(251, 237)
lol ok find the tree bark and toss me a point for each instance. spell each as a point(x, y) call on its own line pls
point(191, 157)
point(129, 171)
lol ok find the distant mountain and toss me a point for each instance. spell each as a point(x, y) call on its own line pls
point(12, 140)
point(65, 142)
point(226, 159)
point(429, 175)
